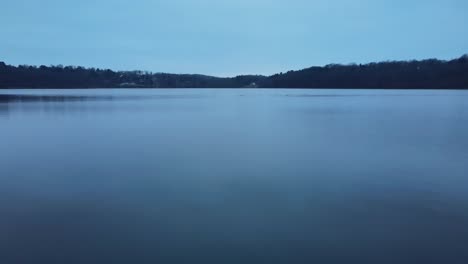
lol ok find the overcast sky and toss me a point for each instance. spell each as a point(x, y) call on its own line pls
point(229, 37)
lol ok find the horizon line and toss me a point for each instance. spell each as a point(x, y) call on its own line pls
point(238, 75)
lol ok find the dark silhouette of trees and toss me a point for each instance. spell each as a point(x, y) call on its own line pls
point(24, 76)
point(426, 74)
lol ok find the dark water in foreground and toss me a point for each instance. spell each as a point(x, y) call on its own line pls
point(233, 176)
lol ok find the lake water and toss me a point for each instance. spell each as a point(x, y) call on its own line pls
point(233, 176)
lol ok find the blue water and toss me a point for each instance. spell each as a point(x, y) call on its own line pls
point(233, 176)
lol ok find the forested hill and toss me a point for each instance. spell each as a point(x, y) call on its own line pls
point(426, 74)
point(25, 76)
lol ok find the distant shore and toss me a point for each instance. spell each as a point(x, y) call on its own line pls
point(424, 74)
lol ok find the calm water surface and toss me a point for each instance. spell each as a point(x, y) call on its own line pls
point(233, 176)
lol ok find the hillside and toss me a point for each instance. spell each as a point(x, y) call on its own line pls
point(425, 74)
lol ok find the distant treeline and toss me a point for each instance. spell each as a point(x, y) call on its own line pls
point(426, 74)
point(25, 76)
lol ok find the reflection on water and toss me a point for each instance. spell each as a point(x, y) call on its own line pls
point(233, 176)
point(69, 103)
point(15, 98)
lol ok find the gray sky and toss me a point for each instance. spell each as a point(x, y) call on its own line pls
point(229, 37)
